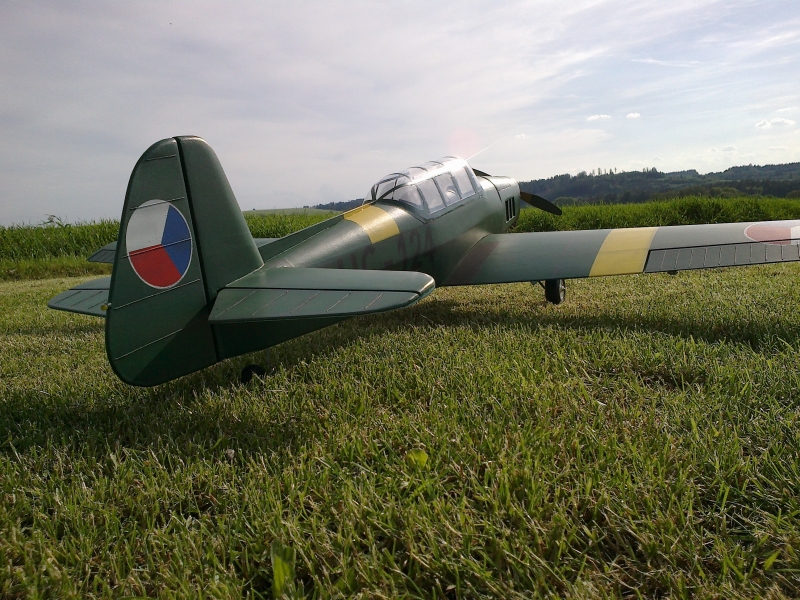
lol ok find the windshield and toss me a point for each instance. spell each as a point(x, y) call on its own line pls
point(433, 185)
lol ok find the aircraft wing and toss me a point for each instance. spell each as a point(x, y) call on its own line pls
point(107, 252)
point(537, 256)
point(88, 298)
point(295, 293)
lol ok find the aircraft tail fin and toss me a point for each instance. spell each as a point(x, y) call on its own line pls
point(182, 238)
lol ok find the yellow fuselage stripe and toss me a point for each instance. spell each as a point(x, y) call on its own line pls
point(376, 222)
point(624, 251)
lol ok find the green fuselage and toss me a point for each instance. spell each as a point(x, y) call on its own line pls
point(432, 244)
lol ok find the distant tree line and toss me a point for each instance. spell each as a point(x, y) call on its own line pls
point(611, 187)
point(339, 206)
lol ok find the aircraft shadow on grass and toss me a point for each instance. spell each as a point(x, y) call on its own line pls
point(174, 412)
point(447, 313)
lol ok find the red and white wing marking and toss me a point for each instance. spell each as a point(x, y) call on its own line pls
point(778, 232)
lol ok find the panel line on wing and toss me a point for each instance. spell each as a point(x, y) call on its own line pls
point(339, 301)
point(275, 299)
point(374, 301)
point(238, 302)
point(294, 310)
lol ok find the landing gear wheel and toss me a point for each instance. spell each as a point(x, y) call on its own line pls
point(555, 291)
point(249, 371)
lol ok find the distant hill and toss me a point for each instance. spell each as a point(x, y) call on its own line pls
point(639, 186)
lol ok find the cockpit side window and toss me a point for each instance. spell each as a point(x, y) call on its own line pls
point(410, 195)
point(383, 187)
point(464, 183)
point(447, 187)
point(431, 194)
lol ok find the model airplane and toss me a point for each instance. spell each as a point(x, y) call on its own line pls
point(190, 286)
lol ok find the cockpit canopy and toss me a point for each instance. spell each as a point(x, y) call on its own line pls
point(430, 187)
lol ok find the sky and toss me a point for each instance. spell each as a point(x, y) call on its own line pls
point(311, 102)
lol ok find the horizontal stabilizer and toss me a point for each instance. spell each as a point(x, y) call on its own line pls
point(86, 298)
point(105, 254)
point(303, 293)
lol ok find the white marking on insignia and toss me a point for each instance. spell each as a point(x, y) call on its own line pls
point(146, 225)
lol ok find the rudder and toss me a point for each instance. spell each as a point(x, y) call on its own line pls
point(182, 238)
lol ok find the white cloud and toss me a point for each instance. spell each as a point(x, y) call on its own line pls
point(521, 136)
point(598, 117)
point(633, 115)
point(787, 109)
point(777, 148)
point(712, 150)
point(729, 148)
point(667, 63)
point(776, 122)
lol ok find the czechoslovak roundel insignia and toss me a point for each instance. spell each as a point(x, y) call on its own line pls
point(159, 243)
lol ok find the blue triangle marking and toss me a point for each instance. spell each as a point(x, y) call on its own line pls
point(176, 240)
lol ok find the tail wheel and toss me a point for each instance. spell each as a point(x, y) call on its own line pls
point(250, 371)
point(555, 291)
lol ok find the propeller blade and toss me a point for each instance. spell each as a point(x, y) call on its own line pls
point(532, 199)
point(539, 202)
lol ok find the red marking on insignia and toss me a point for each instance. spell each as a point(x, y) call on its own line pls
point(154, 265)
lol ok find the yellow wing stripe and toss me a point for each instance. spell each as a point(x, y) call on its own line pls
point(624, 252)
point(376, 222)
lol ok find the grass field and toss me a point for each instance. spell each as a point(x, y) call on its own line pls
point(682, 211)
point(641, 439)
point(61, 250)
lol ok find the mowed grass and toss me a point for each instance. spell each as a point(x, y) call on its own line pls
point(641, 439)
